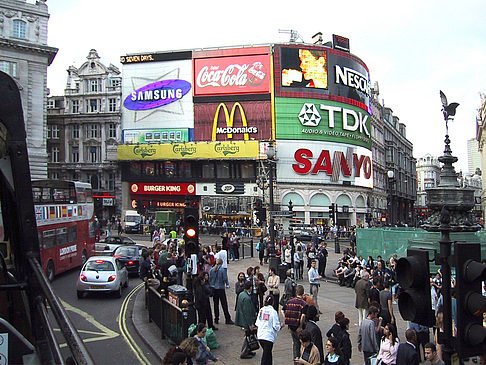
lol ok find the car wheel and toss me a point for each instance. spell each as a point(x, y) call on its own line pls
point(50, 271)
point(80, 294)
point(84, 257)
point(118, 293)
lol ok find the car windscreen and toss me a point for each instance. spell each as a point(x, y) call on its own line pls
point(126, 251)
point(99, 265)
point(132, 218)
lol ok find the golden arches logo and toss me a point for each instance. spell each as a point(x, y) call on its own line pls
point(229, 117)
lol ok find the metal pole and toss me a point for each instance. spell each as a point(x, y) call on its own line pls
point(271, 249)
point(445, 252)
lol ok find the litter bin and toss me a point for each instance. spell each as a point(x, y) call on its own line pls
point(282, 272)
point(177, 293)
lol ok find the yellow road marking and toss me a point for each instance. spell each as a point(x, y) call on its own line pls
point(124, 331)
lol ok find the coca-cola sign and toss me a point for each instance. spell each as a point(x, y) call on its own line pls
point(232, 75)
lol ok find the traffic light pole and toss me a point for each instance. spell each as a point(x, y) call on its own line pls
point(444, 254)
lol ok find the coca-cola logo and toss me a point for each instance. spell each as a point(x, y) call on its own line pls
point(232, 75)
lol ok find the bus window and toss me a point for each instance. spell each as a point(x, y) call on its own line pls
point(72, 234)
point(49, 238)
point(62, 236)
point(46, 195)
point(37, 194)
point(81, 195)
point(89, 196)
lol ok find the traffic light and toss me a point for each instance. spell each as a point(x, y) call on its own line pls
point(470, 302)
point(260, 212)
point(191, 227)
point(331, 211)
point(414, 301)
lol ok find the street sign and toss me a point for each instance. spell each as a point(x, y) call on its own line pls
point(278, 213)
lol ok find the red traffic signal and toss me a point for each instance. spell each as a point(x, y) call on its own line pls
point(191, 232)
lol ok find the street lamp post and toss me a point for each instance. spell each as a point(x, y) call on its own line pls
point(272, 259)
point(391, 180)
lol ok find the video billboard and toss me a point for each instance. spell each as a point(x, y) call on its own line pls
point(241, 74)
point(322, 73)
point(322, 120)
point(324, 163)
point(157, 95)
point(236, 121)
point(167, 135)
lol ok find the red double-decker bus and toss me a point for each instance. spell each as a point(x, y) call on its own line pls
point(64, 213)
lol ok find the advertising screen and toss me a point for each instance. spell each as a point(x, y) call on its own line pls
point(232, 75)
point(236, 121)
point(322, 120)
point(324, 163)
point(168, 135)
point(322, 73)
point(157, 95)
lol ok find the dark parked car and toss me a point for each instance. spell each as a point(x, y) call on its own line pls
point(112, 242)
point(130, 256)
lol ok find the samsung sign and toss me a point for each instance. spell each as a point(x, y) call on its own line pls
point(157, 94)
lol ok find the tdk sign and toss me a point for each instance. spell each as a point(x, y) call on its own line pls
point(159, 93)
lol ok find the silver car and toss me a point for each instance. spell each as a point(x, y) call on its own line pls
point(102, 274)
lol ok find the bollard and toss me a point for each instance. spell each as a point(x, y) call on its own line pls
point(251, 247)
point(242, 249)
point(337, 249)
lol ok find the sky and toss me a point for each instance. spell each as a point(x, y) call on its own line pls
point(413, 49)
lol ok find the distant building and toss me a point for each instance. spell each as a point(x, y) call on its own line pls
point(428, 176)
point(83, 132)
point(25, 55)
point(481, 138)
point(473, 156)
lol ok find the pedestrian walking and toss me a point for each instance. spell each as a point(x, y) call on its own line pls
point(308, 354)
point(388, 346)
point(362, 290)
point(367, 341)
point(314, 278)
point(202, 292)
point(261, 287)
point(294, 313)
point(268, 325)
point(333, 353)
point(217, 282)
point(312, 317)
point(407, 353)
point(245, 318)
point(298, 263)
point(322, 257)
point(261, 250)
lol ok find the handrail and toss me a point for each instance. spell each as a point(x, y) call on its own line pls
point(73, 340)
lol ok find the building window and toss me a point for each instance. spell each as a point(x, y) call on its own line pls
point(115, 83)
point(112, 105)
point(94, 85)
point(51, 104)
point(223, 170)
point(19, 27)
point(110, 183)
point(75, 106)
point(53, 175)
point(54, 131)
point(55, 154)
point(93, 106)
point(9, 68)
point(93, 131)
point(93, 153)
point(112, 130)
point(75, 131)
point(74, 154)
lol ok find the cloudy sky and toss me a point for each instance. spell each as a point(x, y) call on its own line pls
point(413, 49)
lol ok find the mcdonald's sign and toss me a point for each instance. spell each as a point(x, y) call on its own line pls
point(238, 121)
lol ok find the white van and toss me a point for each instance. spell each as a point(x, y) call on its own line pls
point(131, 222)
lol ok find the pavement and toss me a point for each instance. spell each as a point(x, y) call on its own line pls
point(332, 298)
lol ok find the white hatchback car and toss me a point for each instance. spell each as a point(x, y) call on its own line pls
point(102, 274)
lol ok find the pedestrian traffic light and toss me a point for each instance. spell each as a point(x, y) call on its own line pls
point(191, 227)
point(414, 301)
point(471, 304)
point(331, 211)
point(261, 212)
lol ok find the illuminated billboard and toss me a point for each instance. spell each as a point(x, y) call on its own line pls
point(157, 95)
point(168, 135)
point(324, 163)
point(322, 120)
point(245, 120)
point(242, 74)
point(322, 73)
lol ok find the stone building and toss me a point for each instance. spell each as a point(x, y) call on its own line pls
point(25, 55)
point(83, 132)
point(428, 176)
point(481, 138)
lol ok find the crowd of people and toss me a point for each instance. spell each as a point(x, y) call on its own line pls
point(264, 306)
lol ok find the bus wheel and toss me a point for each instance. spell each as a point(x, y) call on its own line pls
point(50, 271)
point(84, 257)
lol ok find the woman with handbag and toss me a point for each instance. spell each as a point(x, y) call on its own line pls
point(273, 282)
point(202, 292)
point(388, 346)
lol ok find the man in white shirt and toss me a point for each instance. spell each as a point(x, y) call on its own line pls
point(314, 278)
point(223, 255)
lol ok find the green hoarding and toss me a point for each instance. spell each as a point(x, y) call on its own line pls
point(322, 120)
